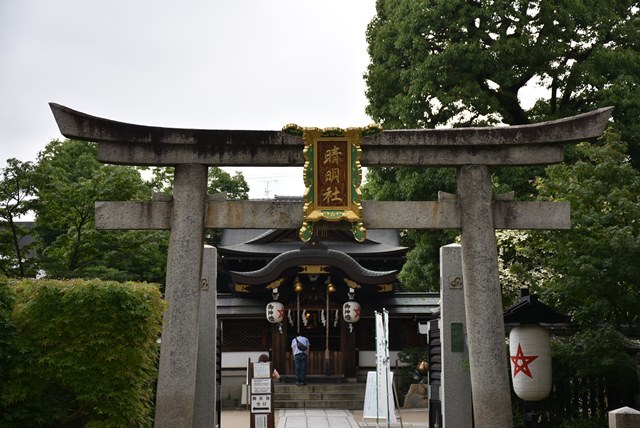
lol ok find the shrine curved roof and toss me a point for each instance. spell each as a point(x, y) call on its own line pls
point(313, 256)
point(269, 243)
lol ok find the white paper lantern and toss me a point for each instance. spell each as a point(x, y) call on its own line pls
point(530, 355)
point(275, 312)
point(351, 311)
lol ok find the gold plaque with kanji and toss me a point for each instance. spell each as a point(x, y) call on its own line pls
point(332, 176)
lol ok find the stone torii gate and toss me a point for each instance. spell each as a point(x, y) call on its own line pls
point(474, 210)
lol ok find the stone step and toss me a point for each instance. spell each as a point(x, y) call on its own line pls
point(319, 396)
point(320, 404)
point(314, 379)
point(345, 387)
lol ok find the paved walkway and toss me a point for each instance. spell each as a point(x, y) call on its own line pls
point(315, 418)
point(319, 418)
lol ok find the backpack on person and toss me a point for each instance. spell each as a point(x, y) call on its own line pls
point(300, 345)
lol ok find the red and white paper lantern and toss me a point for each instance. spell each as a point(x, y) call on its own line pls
point(530, 355)
point(351, 311)
point(275, 312)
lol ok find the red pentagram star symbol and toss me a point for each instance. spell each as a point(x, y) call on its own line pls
point(280, 313)
point(521, 362)
point(357, 311)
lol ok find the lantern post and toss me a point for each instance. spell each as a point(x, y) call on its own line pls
point(530, 351)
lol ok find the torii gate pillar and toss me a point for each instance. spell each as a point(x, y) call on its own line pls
point(483, 304)
point(176, 394)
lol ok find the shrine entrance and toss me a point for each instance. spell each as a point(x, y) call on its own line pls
point(313, 281)
point(323, 329)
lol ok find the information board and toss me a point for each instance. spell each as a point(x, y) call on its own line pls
point(261, 386)
point(375, 406)
point(260, 421)
point(262, 370)
point(261, 395)
point(261, 403)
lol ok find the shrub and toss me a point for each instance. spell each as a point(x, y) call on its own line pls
point(85, 354)
point(409, 357)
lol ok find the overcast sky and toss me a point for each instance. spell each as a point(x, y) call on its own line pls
point(216, 64)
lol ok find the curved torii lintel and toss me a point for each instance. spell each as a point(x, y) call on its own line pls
point(534, 144)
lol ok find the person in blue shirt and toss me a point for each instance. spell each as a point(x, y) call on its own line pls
point(300, 349)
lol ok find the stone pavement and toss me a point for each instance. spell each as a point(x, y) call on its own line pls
point(316, 418)
point(319, 418)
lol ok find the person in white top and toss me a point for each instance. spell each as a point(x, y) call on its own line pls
point(300, 350)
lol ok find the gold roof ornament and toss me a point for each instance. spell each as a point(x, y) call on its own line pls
point(314, 269)
point(275, 284)
point(332, 176)
point(242, 288)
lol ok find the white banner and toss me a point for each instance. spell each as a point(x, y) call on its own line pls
point(384, 408)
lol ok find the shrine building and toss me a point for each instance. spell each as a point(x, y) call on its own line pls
point(272, 286)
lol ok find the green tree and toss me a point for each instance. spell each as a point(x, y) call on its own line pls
point(463, 63)
point(421, 270)
point(235, 185)
point(16, 200)
point(590, 271)
point(595, 275)
point(69, 180)
point(218, 181)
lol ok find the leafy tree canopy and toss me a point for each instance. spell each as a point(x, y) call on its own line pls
point(61, 188)
point(421, 271)
point(461, 62)
point(16, 200)
point(470, 63)
point(590, 271)
point(69, 180)
point(218, 181)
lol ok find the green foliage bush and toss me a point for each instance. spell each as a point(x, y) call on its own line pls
point(84, 354)
point(409, 357)
point(6, 330)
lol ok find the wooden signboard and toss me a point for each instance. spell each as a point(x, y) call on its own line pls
point(261, 397)
point(332, 176)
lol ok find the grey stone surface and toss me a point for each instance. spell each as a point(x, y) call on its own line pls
point(207, 392)
point(377, 215)
point(455, 377)
point(625, 417)
point(146, 145)
point(483, 305)
point(175, 400)
point(416, 397)
point(396, 155)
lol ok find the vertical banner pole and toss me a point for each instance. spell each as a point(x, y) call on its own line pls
point(385, 323)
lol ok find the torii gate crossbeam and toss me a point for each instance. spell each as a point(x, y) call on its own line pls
point(474, 210)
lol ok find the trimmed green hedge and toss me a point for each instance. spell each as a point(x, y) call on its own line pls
point(78, 353)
